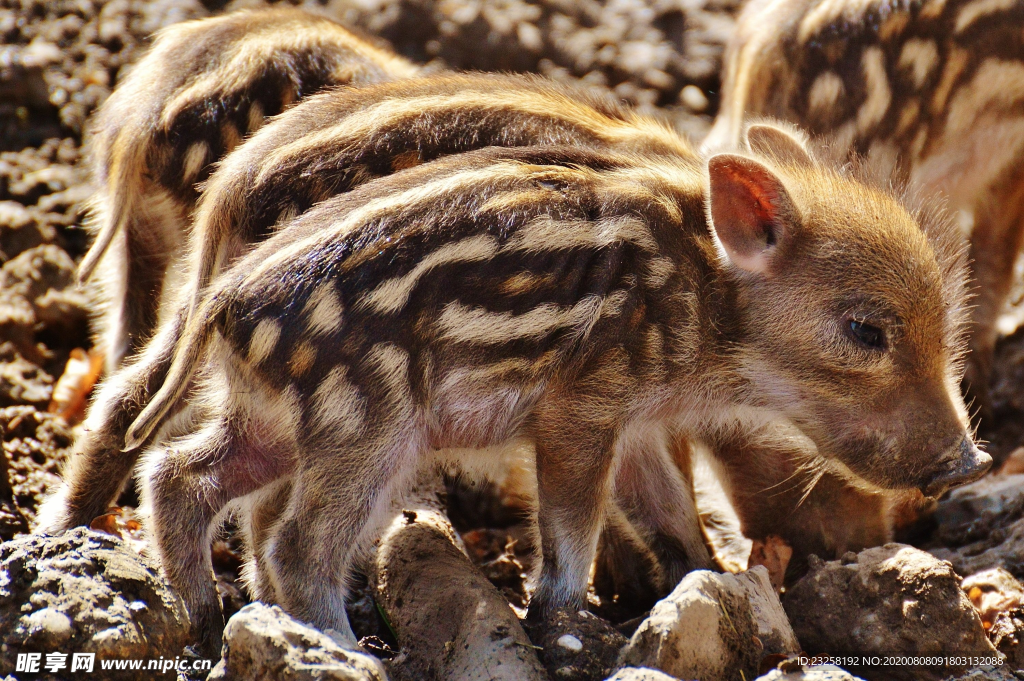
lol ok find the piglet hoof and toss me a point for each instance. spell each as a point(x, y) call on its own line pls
point(207, 632)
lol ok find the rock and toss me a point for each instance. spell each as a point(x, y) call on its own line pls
point(1007, 635)
point(450, 622)
point(36, 289)
point(993, 592)
point(577, 645)
point(998, 598)
point(1001, 672)
point(86, 592)
point(21, 229)
point(888, 600)
point(981, 526)
point(993, 495)
point(825, 672)
point(640, 674)
point(36, 444)
point(22, 382)
point(263, 643)
point(12, 520)
point(713, 626)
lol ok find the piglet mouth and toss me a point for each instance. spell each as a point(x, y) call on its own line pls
point(966, 464)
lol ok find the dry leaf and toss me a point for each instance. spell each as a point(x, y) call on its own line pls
point(774, 553)
point(73, 387)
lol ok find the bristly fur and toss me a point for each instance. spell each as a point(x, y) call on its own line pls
point(575, 297)
point(928, 93)
point(322, 147)
point(267, 353)
point(201, 89)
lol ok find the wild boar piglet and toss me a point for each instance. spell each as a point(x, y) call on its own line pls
point(580, 299)
point(202, 89)
point(932, 91)
point(323, 146)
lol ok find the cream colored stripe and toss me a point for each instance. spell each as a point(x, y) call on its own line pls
point(477, 325)
point(402, 201)
point(873, 110)
point(980, 8)
point(264, 339)
point(391, 113)
point(546, 234)
point(195, 159)
point(392, 295)
point(324, 310)
point(337, 405)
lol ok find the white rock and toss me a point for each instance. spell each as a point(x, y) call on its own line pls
point(825, 672)
point(640, 674)
point(570, 642)
point(706, 627)
point(263, 643)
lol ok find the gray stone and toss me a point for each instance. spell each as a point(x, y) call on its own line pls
point(263, 643)
point(713, 626)
point(991, 495)
point(980, 526)
point(86, 592)
point(888, 600)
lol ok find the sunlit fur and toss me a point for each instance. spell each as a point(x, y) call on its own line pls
point(201, 89)
point(607, 348)
point(324, 146)
point(930, 92)
point(329, 145)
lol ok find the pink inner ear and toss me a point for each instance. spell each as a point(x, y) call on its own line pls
point(748, 208)
point(763, 202)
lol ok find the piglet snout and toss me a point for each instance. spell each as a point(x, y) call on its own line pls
point(967, 464)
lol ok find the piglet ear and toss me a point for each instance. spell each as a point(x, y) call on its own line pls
point(780, 144)
point(750, 211)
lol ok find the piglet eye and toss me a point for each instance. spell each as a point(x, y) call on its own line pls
point(866, 334)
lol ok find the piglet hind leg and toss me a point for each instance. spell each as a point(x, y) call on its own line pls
point(995, 246)
point(188, 483)
point(99, 466)
point(340, 497)
point(654, 487)
point(259, 520)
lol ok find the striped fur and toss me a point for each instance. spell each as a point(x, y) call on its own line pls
point(322, 147)
point(932, 90)
point(667, 295)
point(203, 87)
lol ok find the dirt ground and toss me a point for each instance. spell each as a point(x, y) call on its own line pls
point(59, 60)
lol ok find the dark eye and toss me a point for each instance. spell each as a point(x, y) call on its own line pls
point(867, 335)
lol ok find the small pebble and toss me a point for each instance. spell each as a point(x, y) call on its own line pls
point(570, 642)
point(694, 98)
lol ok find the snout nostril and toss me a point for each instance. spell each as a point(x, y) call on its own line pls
point(970, 464)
